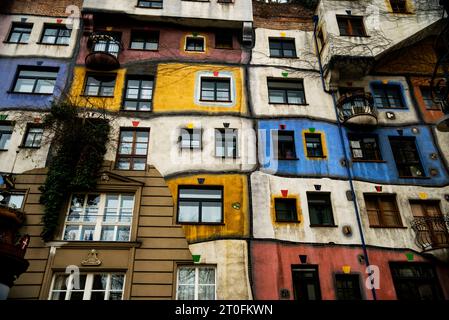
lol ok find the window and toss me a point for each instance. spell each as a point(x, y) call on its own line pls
point(13, 199)
point(351, 26)
point(432, 226)
point(100, 85)
point(426, 94)
point(108, 42)
point(286, 91)
point(226, 143)
point(216, 89)
point(200, 205)
point(382, 210)
point(320, 209)
point(387, 96)
point(6, 129)
point(196, 283)
point(415, 281)
point(284, 141)
point(154, 4)
point(314, 145)
point(99, 217)
point(56, 34)
point(347, 287)
point(132, 149)
point(33, 137)
point(406, 157)
point(145, 40)
point(306, 283)
point(399, 6)
point(223, 40)
point(195, 44)
point(139, 94)
point(364, 147)
point(285, 209)
point(35, 80)
point(282, 48)
point(92, 286)
point(20, 32)
point(190, 138)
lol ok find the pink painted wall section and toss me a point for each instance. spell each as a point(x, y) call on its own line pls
point(272, 263)
point(171, 47)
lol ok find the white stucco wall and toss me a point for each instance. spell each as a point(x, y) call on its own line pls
point(240, 10)
point(33, 48)
point(319, 104)
point(443, 142)
point(231, 260)
point(164, 152)
point(23, 159)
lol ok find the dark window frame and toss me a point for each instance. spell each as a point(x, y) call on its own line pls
point(58, 28)
point(101, 85)
point(27, 132)
point(224, 45)
point(152, 4)
point(384, 95)
point(215, 81)
point(148, 36)
point(402, 166)
point(349, 20)
point(432, 106)
point(36, 79)
point(132, 156)
point(293, 210)
point(23, 25)
point(321, 154)
point(328, 199)
point(342, 293)
point(139, 100)
point(285, 91)
point(282, 42)
point(224, 132)
point(191, 132)
point(201, 200)
point(9, 132)
point(304, 268)
point(281, 155)
point(376, 198)
point(363, 147)
point(195, 39)
point(399, 6)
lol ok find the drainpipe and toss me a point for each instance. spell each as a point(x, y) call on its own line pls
point(342, 141)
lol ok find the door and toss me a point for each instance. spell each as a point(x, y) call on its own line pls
point(306, 284)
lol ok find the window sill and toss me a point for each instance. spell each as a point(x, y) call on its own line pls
point(289, 221)
point(369, 161)
point(216, 101)
point(142, 7)
point(392, 108)
point(316, 158)
point(288, 104)
point(224, 158)
point(54, 44)
point(95, 244)
point(218, 48)
point(323, 226)
point(30, 93)
point(388, 227)
point(194, 51)
point(9, 42)
point(25, 147)
point(3, 150)
point(202, 223)
point(143, 170)
point(190, 149)
point(138, 111)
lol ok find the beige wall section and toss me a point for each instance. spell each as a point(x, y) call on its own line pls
point(231, 260)
point(157, 244)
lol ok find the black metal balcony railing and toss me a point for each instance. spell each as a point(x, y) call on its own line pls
point(357, 109)
point(432, 232)
point(104, 52)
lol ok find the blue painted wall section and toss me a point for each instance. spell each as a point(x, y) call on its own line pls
point(377, 172)
point(8, 69)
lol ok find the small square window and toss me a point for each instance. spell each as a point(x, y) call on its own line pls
point(195, 44)
point(138, 94)
point(153, 4)
point(399, 6)
point(314, 145)
point(216, 89)
point(286, 210)
point(145, 40)
point(351, 26)
point(282, 48)
point(320, 209)
point(33, 137)
point(6, 129)
point(190, 139)
point(100, 85)
point(20, 32)
point(284, 141)
point(223, 40)
point(364, 147)
point(56, 34)
point(226, 143)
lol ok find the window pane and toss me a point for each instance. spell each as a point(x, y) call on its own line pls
point(123, 234)
point(206, 292)
point(200, 193)
point(211, 212)
point(45, 86)
point(16, 201)
point(188, 211)
point(186, 292)
point(139, 164)
point(186, 276)
point(71, 233)
point(87, 233)
point(24, 85)
point(107, 233)
point(206, 276)
point(124, 164)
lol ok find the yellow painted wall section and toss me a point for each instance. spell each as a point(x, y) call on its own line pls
point(108, 103)
point(176, 89)
point(278, 224)
point(236, 221)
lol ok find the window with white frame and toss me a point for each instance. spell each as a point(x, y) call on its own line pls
point(88, 286)
point(196, 283)
point(99, 217)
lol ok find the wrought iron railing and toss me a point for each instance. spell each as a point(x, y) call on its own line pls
point(431, 232)
point(356, 104)
point(100, 42)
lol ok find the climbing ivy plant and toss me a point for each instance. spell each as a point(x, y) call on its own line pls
point(77, 150)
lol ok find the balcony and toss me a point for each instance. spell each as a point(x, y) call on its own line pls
point(104, 52)
point(12, 248)
point(432, 235)
point(357, 110)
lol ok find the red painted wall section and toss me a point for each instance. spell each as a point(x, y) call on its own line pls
point(171, 45)
point(272, 263)
point(429, 115)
